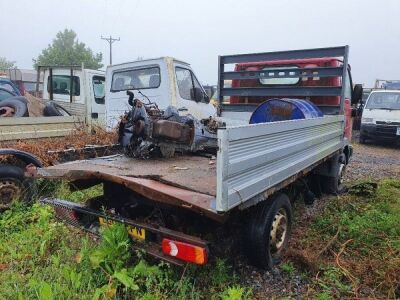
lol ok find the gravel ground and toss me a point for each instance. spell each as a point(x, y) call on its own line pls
point(370, 161)
point(374, 161)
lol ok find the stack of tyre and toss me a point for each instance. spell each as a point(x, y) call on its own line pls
point(17, 106)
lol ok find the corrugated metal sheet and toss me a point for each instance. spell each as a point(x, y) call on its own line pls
point(38, 127)
point(254, 158)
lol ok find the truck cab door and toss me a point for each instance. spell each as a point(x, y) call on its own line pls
point(191, 97)
point(347, 107)
point(96, 87)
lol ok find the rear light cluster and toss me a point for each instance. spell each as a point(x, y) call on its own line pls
point(184, 251)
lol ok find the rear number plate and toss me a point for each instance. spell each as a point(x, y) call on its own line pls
point(134, 231)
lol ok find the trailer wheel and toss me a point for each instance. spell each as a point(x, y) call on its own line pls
point(14, 186)
point(269, 231)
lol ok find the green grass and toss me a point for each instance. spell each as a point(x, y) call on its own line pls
point(288, 267)
point(368, 243)
point(41, 258)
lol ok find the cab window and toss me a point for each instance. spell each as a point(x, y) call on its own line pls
point(187, 84)
point(276, 77)
point(347, 87)
point(98, 89)
point(62, 85)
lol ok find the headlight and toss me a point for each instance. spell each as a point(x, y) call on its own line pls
point(367, 120)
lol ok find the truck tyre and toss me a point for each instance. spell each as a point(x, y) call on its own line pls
point(14, 186)
point(335, 185)
point(55, 110)
point(362, 139)
point(19, 108)
point(269, 231)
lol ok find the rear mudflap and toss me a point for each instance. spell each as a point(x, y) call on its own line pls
point(144, 236)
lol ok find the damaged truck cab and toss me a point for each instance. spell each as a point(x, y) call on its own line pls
point(165, 81)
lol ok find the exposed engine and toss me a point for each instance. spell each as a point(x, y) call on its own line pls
point(148, 131)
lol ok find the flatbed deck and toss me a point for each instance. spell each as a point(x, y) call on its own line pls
point(185, 180)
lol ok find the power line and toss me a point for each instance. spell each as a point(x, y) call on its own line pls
point(110, 41)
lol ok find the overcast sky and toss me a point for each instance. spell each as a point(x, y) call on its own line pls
point(199, 31)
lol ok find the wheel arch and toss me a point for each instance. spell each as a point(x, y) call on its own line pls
point(25, 157)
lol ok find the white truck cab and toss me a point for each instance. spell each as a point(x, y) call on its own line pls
point(165, 81)
point(85, 98)
point(381, 116)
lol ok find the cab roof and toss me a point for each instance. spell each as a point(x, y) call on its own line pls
point(149, 60)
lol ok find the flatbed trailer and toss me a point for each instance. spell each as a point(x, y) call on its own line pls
point(256, 170)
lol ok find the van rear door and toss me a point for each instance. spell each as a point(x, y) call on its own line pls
point(96, 95)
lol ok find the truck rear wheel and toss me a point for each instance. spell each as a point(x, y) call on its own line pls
point(269, 231)
point(14, 186)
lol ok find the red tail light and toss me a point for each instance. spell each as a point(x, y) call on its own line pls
point(184, 251)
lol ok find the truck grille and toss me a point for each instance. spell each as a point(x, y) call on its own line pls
point(386, 131)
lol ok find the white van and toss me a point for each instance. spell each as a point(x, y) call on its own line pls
point(86, 98)
point(165, 81)
point(381, 116)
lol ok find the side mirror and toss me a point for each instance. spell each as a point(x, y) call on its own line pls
point(130, 99)
point(206, 99)
point(357, 93)
point(197, 94)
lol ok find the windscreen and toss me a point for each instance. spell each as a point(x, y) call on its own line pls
point(62, 85)
point(145, 78)
point(384, 101)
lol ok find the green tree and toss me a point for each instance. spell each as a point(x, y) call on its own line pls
point(66, 49)
point(6, 64)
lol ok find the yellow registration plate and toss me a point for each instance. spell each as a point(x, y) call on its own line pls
point(135, 232)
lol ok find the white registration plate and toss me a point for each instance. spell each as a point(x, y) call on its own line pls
point(398, 131)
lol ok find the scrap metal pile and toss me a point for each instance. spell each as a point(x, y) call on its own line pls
point(147, 131)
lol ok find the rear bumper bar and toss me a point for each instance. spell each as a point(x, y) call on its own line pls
point(87, 219)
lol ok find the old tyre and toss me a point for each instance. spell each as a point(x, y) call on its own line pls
point(14, 186)
point(269, 231)
point(13, 108)
point(19, 98)
point(335, 185)
point(55, 110)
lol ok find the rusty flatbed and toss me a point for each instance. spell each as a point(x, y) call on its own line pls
point(187, 181)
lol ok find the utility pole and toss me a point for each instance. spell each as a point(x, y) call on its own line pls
point(110, 40)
